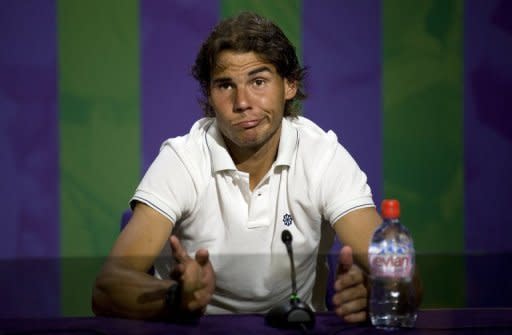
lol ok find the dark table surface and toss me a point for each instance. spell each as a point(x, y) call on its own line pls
point(435, 321)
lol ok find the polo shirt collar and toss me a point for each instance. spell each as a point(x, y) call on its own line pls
point(287, 143)
point(221, 160)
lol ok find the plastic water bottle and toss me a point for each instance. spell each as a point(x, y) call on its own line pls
point(392, 258)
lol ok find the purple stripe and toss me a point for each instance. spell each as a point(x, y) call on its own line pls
point(171, 34)
point(29, 156)
point(488, 124)
point(341, 42)
point(487, 150)
point(342, 50)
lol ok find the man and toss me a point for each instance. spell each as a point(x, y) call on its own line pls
point(248, 170)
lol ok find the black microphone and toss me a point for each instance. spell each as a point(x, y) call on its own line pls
point(286, 237)
point(294, 313)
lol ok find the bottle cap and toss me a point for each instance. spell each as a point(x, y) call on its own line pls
point(390, 208)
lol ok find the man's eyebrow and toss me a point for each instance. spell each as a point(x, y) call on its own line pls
point(260, 69)
point(222, 80)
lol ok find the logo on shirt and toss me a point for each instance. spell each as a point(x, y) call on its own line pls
point(287, 220)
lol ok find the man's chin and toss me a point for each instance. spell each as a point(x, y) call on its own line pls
point(249, 139)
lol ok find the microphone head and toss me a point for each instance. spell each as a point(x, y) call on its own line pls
point(286, 236)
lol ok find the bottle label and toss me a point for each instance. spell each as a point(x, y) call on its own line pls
point(392, 262)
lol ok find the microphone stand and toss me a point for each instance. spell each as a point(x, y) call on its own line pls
point(294, 313)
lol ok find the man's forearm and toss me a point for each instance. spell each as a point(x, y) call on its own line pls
point(122, 292)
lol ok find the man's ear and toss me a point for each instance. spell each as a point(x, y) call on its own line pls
point(290, 89)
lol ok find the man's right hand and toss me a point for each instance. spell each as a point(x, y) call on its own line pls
point(351, 297)
point(196, 276)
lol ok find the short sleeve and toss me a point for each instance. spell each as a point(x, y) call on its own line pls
point(343, 187)
point(167, 185)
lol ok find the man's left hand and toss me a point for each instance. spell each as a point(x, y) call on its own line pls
point(195, 274)
point(351, 295)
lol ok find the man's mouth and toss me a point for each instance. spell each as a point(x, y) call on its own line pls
point(248, 124)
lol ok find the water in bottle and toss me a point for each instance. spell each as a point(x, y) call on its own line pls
point(391, 259)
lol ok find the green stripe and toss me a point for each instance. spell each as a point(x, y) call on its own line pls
point(423, 135)
point(286, 14)
point(99, 135)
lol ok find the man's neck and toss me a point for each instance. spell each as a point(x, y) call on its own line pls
point(256, 160)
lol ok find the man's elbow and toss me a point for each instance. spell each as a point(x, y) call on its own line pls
point(418, 286)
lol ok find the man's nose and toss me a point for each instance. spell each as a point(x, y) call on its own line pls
point(241, 102)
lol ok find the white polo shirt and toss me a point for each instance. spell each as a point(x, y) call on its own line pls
point(195, 183)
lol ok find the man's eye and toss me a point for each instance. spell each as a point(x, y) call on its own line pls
point(259, 82)
point(225, 86)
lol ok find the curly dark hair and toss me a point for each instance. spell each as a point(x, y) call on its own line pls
point(250, 32)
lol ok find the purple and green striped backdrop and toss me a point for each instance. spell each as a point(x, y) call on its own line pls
point(419, 92)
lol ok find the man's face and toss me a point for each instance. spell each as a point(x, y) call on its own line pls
point(248, 97)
